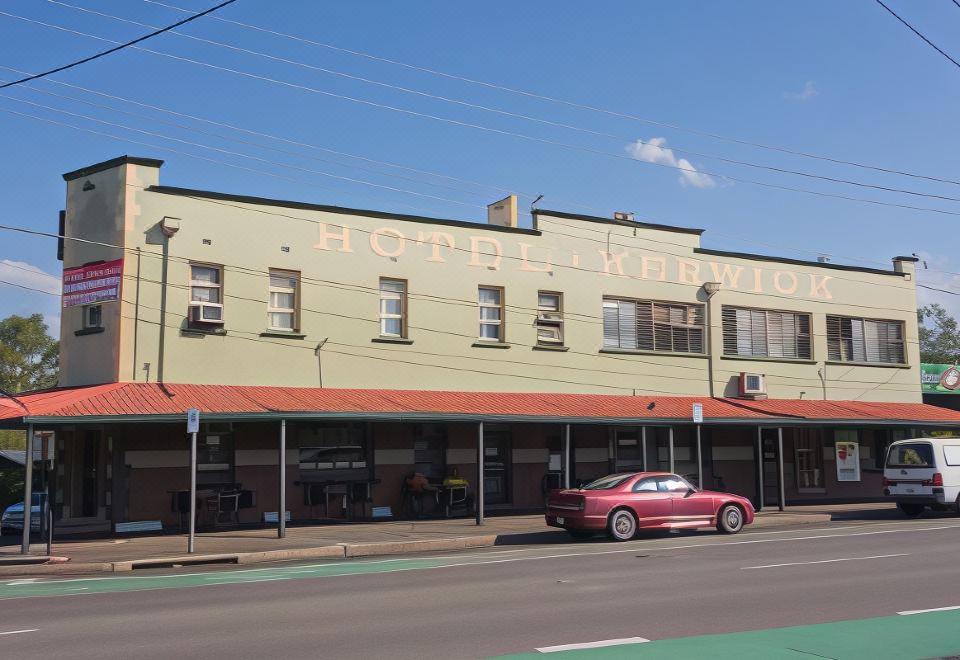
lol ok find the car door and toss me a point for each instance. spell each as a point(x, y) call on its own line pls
point(687, 507)
point(653, 505)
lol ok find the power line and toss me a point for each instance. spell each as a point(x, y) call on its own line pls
point(516, 115)
point(498, 131)
point(917, 32)
point(116, 48)
point(568, 103)
point(500, 189)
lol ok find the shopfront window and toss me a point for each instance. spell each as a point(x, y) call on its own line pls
point(325, 449)
point(215, 454)
point(809, 459)
point(430, 451)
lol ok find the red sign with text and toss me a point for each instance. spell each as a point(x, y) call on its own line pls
point(89, 285)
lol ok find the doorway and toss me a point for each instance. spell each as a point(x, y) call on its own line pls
point(496, 465)
point(769, 467)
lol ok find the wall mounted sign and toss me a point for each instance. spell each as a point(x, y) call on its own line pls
point(940, 378)
point(848, 460)
point(90, 285)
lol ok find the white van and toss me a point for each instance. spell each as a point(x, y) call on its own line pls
point(923, 472)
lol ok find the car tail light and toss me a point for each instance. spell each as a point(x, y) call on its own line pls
point(937, 480)
point(582, 503)
point(886, 482)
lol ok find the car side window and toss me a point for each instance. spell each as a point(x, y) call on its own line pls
point(645, 486)
point(672, 485)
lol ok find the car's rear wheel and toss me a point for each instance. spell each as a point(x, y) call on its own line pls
point(580, 534)
point(622, 525)
point(910, 510)
point(730, 519)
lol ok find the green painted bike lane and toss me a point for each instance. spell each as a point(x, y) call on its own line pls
point(34, 588)
point(927, 635)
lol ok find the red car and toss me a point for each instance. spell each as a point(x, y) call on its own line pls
point(623, 503)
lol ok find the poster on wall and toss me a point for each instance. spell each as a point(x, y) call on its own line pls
point(848, 461)
point(89, 285)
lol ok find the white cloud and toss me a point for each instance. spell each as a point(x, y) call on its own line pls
point(654, 151)
point(808, 92)
point(22, 274)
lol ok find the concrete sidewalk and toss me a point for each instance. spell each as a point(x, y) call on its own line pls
point(331, 541)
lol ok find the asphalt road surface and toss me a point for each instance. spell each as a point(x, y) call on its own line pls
point(506, 600)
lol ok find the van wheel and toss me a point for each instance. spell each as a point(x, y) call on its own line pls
point(910, 510)
point(730, 519)
point(622, 525)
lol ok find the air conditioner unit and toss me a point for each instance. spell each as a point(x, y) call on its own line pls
point(753, 386)
point(206, 313)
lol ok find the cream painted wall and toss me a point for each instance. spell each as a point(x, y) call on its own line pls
point(342, 256)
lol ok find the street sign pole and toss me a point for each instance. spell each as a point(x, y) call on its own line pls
point(698, 420)
point(193, 425)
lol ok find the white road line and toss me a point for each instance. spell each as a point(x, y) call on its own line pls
point(933, 609)
point(823, 561)
point(593, 645)
point(17, 632)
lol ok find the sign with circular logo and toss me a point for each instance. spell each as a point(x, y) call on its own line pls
point(950, 379)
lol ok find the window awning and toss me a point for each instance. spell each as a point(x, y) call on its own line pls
point(130, 402)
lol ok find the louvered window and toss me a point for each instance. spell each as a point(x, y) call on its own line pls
point(766, 333)
point(645, 325)
point(865, 340)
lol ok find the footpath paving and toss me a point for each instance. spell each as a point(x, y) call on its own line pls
point(343, 540)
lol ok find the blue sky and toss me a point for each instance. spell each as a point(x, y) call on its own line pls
point(845, 80)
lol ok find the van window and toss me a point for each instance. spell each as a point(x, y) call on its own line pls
point(911, 454)
point(952, 454)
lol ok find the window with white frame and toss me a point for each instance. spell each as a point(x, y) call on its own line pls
point(490, 301)
point(393, 308)
point(549, 318)
point(647, 325)
point(766, 333)
point(92, 317)
point(865, 340)
point(206, 294)
point(283, 309)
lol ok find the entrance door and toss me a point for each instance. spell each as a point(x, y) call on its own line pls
point(771, 482)
point(496, 465)
point(90, 463)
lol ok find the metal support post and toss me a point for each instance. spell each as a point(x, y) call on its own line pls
point(759, 468)
point(671, 451)
point(27, 491)
point(50, 453)
point(566, 457)
point(643, 445)
point(282, 510)
point(699, 461)
point(780, 479)
point(480, 474)
point(193, 492)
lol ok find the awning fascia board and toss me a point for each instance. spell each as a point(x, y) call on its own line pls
point(473, 418)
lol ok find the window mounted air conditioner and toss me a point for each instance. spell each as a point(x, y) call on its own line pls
point(206, 313)
point(753, 386)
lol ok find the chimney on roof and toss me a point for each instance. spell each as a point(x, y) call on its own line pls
point(907, 265)
point(503, 213)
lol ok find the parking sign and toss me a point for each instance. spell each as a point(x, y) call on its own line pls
point(698, 413)
point(193, 421)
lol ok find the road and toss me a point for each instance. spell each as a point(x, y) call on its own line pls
point(513, 600)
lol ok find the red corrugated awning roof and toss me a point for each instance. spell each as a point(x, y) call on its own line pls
point(168, 402)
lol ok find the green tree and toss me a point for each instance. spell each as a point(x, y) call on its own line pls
point(939, 335)
point(29, 357)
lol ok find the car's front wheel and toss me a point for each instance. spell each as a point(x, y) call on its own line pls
point(622, 525)
point(910, 509)
point(730, 519)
